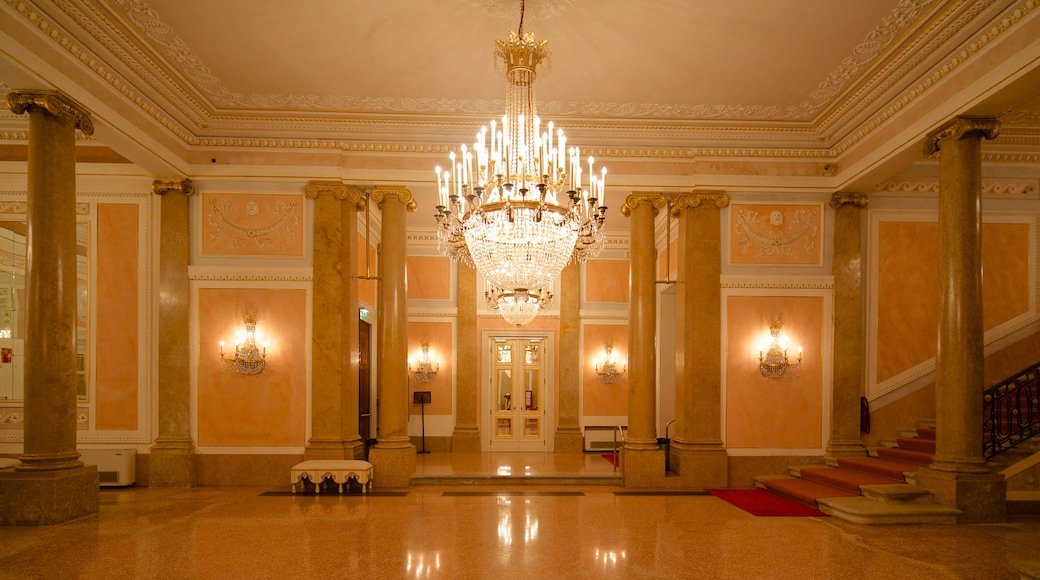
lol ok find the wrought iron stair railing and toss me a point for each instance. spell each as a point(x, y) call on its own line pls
point(1011, 412)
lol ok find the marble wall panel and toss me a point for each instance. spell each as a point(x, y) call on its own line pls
point(439, 337)
point(606, 281)
point(117, 326)
point(598, 398)
point(429, 278)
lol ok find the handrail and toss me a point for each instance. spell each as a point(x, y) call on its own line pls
point(1011, 412)
point(667, 425)
point(617, 429)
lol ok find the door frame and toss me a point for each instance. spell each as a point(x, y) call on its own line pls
point(487, 398)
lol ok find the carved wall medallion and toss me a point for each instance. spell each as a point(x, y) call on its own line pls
point(252, 225)
point(776, 234)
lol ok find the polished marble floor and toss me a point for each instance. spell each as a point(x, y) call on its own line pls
point(491, 531)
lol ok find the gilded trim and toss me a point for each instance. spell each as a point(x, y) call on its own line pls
point(692, 199)
point(960, 128)
point(655, 198)
point(171, 185)
point(53, 102)
point(840, 199)
point(337, 190)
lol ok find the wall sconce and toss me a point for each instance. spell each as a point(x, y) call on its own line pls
point(607, 368)
point(247, 359)
point(773, 363)
point(424, 370)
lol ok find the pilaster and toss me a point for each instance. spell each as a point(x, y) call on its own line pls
point(568, 431)
point(466, 437)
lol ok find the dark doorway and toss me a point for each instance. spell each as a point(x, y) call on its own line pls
point(364, 383)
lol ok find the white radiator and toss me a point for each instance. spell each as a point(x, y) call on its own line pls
point(600, 438)
point(115, 466)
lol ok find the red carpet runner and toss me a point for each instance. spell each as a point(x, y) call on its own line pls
point(759, 502)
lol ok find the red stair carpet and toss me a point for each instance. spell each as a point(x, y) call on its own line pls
point(609, 457)
point(759, 502)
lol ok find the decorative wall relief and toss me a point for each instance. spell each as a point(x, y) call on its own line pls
point(252, 225)
point(776, 234)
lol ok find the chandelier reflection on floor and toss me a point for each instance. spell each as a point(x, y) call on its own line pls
point(518, 306)
point(517, 206)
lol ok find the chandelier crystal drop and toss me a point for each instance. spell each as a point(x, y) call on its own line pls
point(518, 205)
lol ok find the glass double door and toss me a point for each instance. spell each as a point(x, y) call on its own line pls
point(518, 391)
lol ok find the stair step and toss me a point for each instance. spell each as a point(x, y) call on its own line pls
point(897, 492)
point(863, 510)
point(927, 423)
point(915, 444)
point(926, 433)
point(919, 458)
point(803, 491)
point(844, 479)
point(877, 466)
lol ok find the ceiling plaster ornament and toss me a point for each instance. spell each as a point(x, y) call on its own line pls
point(506, 9)
point(778, 239)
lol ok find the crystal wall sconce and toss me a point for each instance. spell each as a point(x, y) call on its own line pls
point(773, 363)
point(425, 369)
point(248, 359)
point(607, 369)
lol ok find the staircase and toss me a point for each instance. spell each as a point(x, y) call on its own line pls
point(870, 490)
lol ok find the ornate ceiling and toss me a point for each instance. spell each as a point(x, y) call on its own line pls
point(807, 95)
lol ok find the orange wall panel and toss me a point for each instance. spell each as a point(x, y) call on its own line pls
point(599, 398)
point(429, 278)
point(253, 410)
point(606, 280)
point(252, 225)
point(116, 348)
point(1005, 277)
point(439, 337)
point(768, 413)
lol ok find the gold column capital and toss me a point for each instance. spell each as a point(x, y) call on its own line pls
point(162, 186)
point(635, 198)
point(55, 103)
point(380, 193)
point(691, 199)
point(337, 189)
point(958, 128)
point(843, 198)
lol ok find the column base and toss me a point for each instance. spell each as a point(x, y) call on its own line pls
point(981, 497)
point(642, 468)
point(837, 449)
point(394, 466)
point(700, 467)
point(568, 440)
point(45, 498)
point(465, 440)
point(172, 466)
point(318, 449)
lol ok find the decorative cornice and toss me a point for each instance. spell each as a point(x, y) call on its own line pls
point(931, 186)
point(380, 193)
point(655, 198)
point(692, 199)
point(55, 103)
point(223, 277)
point(840, 199)
point(337, 190)
point(983, 127)
point(778, 282)
point(173, 185)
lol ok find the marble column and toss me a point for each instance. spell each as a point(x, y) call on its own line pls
point(466, 437)
point(172, 461)
point(849, 346)
point(394, 455)
point(51, 485)
point(568, 431)
point(697, 446)
point(642, 460)
point(959, 476)
point(334, 340)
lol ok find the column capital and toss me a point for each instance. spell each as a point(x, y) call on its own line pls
point(381, 192)
point(637, 197)
point(53, 102)
point(692, 199)
point(163, 186)
point(843, 198)
point(987, 127)
point(337, 190)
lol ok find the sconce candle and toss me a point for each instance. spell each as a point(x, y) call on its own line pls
point(248, 359)
point(774, 364)
point(425, 370)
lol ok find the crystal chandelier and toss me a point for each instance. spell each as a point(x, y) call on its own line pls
point(774, 364)
point(607, 369)
point(248, 359)
point(425, 369)
point(518, 306)
point(517, 205)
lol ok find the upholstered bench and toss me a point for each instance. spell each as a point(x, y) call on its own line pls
point(340, 470)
